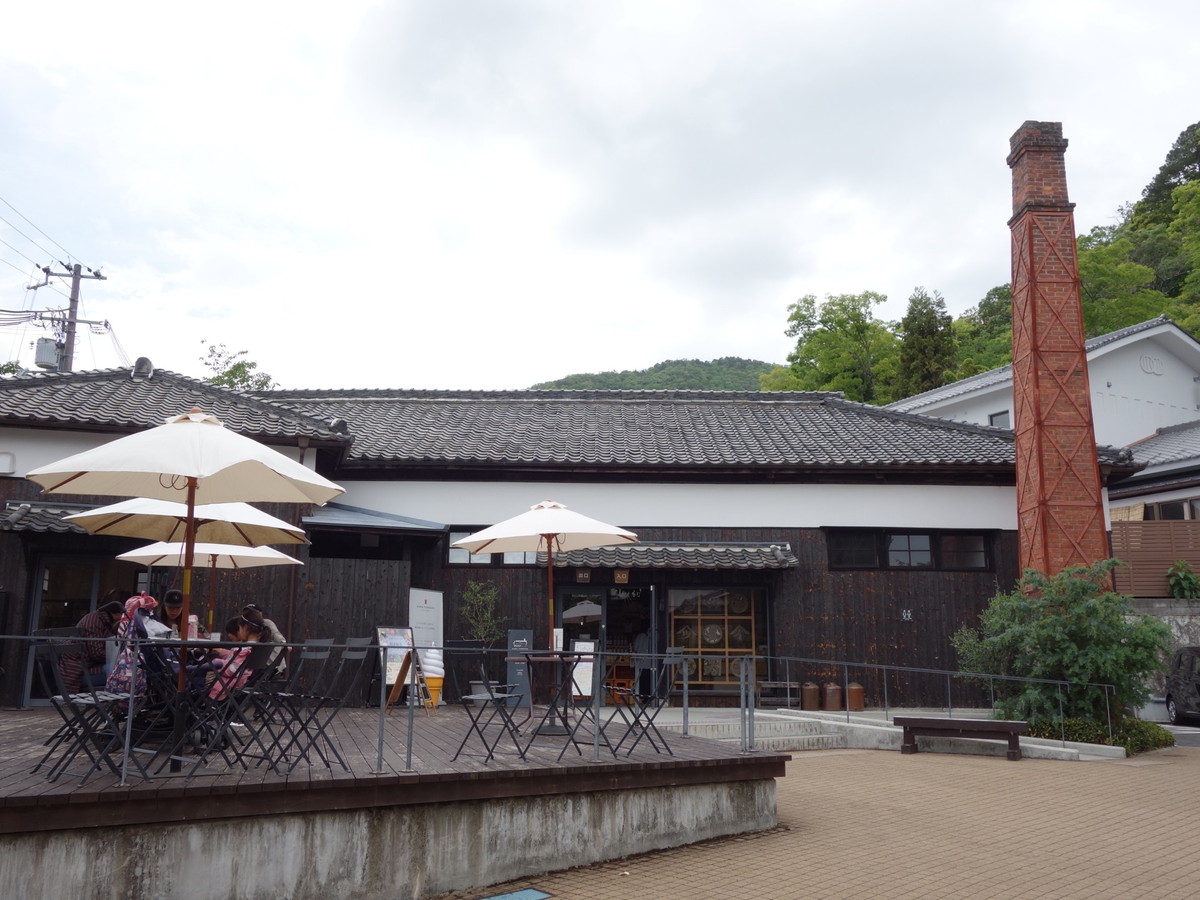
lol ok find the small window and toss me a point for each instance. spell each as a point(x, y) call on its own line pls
point(460, 557)
point(964, 551)
point(1173, 511)
point(853, 549)
point(906, 550)
point(520, 558)
point(1000, 419)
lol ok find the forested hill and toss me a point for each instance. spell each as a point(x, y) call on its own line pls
point(730, 373)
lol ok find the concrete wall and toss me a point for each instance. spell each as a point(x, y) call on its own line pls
point(393, 852)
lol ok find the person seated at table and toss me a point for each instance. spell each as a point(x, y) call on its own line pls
point(90, 660)
point(229, 663)
point(274, 636)
point(170, 613)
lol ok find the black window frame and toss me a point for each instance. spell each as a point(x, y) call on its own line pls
point(481, 560)
point(881, 540)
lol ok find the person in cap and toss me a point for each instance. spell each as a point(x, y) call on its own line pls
point(273, 635)
point(170, 612)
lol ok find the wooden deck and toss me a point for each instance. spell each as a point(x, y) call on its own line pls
point(28, 802)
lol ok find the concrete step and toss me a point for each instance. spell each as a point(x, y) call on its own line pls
point(770, 733)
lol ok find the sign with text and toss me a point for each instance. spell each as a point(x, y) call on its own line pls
point(396, 641)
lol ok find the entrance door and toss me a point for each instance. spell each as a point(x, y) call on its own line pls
point(67, 589)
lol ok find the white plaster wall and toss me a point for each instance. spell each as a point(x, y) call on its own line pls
point(33, 447)
point(1136, 388)
point(700, 506)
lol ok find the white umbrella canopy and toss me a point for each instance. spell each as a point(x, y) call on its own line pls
point(166, 520)
point(191, 457)
point(548, 527)
point(216, 556)
point(585, 611)
point(159, 462)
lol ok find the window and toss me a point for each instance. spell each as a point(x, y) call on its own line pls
point(964, 551)
point(863, 548)
point(909, 550)
point(457, 556)
point(1000, 419)
point(853, 549)
point(461, 557)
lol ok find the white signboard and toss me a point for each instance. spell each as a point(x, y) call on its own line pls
point(425, 617)
point(396, 641)
point(581, 675)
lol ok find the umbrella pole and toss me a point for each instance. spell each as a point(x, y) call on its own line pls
point(212, 590)
point(189, 553)
point(550, 586)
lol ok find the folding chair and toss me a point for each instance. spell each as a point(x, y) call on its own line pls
point(275, 706)
point(209, 720)
point(94, 721)
point(310, 715)
point(493, 702)
point(638, 709)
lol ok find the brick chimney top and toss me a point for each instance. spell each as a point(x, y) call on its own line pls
point(1039, 168)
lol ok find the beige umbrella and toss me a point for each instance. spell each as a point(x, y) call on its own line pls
point(166, 520)
point(548, 527)
point(218, 556)
point(191, 458)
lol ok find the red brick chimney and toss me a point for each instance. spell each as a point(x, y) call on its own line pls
point(1060, 512)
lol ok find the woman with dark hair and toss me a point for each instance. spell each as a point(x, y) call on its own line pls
point(230, 662)
point(90, 660)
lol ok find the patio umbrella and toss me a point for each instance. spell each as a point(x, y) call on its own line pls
point(548, 527)
point(218, 556)
point(166, 520)
point(191, 457)
point(585, 611)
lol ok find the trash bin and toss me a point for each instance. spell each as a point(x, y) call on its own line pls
point(810, 696)
point(833, 696)
point(854, 697)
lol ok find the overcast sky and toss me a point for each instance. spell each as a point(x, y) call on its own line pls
point(492, 194)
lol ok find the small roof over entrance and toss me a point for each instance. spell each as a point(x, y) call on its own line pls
point(683, 555)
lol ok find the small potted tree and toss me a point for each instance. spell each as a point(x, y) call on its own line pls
point(479, 611)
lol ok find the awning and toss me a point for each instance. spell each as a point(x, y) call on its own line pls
point(341, 517)
point(682, 555)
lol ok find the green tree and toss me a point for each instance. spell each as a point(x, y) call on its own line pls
point(730, 373)
point(983, 334)
point(12, 367)
point(841, 346)
point(1114, 291)
point(232, 371)
point(926, 344)
point(1181, 166)
point(1070, 627)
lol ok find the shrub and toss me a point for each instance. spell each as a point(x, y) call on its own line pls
point(1070, 627)
point(1184, 583)
point(1135, 735)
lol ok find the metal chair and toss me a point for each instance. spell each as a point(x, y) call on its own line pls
point(494, 702)
point(638, 708)
point(312, 713)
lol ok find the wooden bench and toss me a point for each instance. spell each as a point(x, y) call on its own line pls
point(978, 729)
point(791, 691)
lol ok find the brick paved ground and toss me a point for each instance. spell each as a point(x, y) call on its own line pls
point(867, 824)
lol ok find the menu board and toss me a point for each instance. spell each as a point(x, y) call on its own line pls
point(397, 642)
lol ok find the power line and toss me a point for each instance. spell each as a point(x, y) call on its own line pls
point(70, 255)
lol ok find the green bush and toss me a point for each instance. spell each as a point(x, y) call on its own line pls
point(1135, 735)
point(1073, 628)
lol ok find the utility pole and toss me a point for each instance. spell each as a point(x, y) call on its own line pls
point(67, 360)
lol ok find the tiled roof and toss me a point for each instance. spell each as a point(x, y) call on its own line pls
point(1003, 374)
point(1176, 443)
point(123, 400)
point(706, 429)
point(681, 555)
point(40, 517)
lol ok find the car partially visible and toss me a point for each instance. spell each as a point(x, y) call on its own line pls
point(1183, 686)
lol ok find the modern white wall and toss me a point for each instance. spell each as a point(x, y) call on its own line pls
point(1137, 387)
point(698, 505)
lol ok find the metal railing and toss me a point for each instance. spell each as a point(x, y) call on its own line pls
point(679, 690)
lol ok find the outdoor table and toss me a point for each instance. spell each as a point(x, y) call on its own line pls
point(559, 709)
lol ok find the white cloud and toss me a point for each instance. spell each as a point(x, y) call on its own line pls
point(495, 194)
